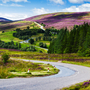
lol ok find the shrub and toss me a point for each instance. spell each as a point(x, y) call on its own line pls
point(5, 58)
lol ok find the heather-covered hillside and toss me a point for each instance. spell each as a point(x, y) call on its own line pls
point(61, 20)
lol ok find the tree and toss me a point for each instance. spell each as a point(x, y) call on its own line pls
point(36, 39)
point(44, 38)
point(44, 45)
point(31, 41)
point(28, 27)
point(41, 44)
point(39, 38)
point(12, 43)
point(19, 45)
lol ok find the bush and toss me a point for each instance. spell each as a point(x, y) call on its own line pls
point(5, 58)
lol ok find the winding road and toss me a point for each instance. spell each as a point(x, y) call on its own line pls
point(69, 74)
point(40, 26)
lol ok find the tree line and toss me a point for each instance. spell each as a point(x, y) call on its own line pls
point(13, 45)
point(75, 41)
point(10, 45)
point(26, 33)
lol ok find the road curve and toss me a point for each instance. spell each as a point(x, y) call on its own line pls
point(48, 83)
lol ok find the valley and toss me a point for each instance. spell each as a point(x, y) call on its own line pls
point(58, 38)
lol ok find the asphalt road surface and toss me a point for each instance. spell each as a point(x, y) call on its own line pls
point(69, 74)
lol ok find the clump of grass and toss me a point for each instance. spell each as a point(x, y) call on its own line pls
point(3, 72)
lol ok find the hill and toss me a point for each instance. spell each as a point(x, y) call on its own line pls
point(9, 26)
point(4, 20)
point(61, 19)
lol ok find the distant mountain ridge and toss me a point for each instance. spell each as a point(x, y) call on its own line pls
point(4, 19)
point(61, 19)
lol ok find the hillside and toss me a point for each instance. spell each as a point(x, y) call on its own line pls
point(61, 19)
point(9, 26)
point(4, 19)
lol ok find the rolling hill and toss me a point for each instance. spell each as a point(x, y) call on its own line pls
point(56, 20)
point(61, 19)
point(4, 20)
point(9, 26)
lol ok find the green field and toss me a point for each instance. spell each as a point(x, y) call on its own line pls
point(8, 36)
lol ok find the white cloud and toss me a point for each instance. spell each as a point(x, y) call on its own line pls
point(17, 5)
point(57, 1)
point(1, 4)
point(37, 11)
point(78, 1)
point(81, 8)
point(14, 16)
point(19, 16)
point(5, 1)
point(13, 4)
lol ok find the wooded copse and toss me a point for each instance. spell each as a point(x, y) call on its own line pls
point(26, 33)
point(75, 41)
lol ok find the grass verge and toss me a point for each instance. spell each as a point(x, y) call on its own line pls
point(18, 68)
point(85, 63)
point(80, 86)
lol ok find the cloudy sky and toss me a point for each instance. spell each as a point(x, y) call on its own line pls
point(21, 9)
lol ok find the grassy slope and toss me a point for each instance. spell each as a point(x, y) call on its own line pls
point(18, 24)
point(8, 36)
